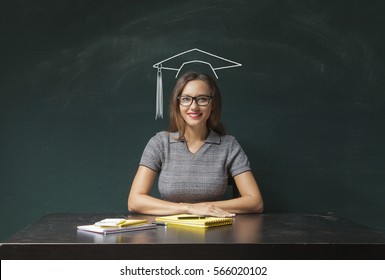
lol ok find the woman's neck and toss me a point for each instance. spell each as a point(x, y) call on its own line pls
point(193, 135)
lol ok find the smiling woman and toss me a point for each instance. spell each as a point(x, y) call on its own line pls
point(194, 159)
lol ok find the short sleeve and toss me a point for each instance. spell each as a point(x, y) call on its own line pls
point(153, 153)
point(237, 161)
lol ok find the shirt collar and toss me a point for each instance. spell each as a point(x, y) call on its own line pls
point(213, 137)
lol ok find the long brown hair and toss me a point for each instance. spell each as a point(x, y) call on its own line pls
point(214, 122)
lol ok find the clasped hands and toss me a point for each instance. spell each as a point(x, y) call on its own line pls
point(207, 209)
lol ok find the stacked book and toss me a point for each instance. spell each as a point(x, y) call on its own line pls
point(194, 221)
point(116, 225)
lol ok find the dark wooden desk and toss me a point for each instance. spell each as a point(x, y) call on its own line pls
point(267, 236)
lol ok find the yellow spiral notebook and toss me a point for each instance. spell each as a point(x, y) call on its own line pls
point(194, 221)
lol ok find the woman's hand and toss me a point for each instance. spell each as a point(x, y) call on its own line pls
point(207, 209)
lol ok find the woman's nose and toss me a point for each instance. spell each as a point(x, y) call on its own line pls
point(194, 104)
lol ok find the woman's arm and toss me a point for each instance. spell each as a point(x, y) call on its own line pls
point(140, 200)
point(251, 199)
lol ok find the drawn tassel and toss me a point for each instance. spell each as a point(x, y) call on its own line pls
point(159, 94)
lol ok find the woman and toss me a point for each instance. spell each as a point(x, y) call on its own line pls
point(194, 159)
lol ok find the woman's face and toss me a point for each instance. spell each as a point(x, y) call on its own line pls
point(196, 115)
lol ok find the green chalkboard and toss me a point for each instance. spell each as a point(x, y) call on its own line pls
point(77, 99)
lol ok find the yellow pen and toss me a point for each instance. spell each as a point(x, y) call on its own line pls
point(191, 217)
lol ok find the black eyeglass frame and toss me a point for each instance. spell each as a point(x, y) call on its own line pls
point(195, 99)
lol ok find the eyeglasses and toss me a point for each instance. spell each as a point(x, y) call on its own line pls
point(202, 100)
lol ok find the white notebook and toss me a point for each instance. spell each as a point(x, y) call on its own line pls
point(108, 226)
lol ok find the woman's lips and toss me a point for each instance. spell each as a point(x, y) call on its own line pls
point(195, 115)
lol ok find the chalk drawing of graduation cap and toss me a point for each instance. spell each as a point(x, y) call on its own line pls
point(180, 61)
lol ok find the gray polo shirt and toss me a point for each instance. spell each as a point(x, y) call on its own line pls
point(188, 177)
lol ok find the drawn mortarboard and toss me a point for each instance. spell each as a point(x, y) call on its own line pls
point(178, 62)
